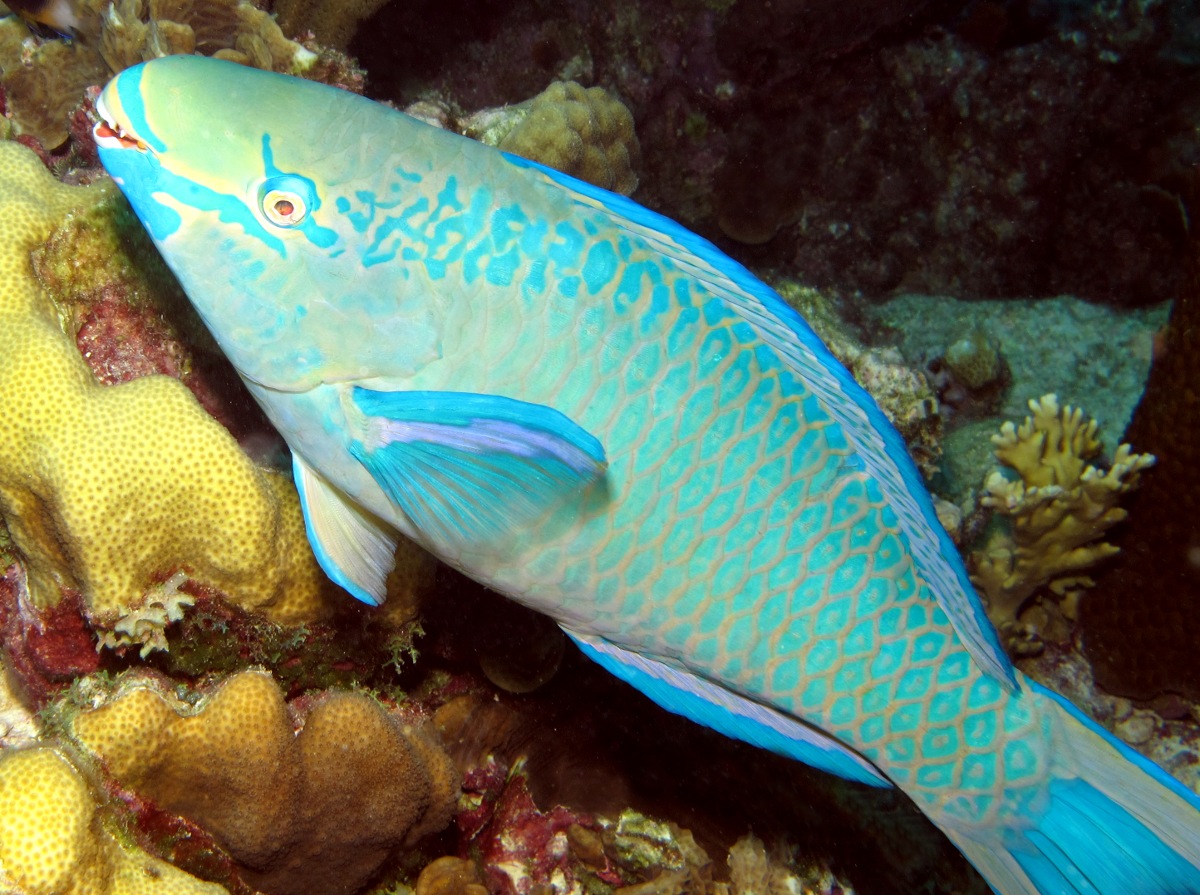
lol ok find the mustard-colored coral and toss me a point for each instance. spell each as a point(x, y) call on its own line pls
point(54, 840)
point(585, 132)
point(108, 490)
point(314, 812)
point(1059, 506)
point(45, 80)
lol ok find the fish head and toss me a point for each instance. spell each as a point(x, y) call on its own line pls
point(243, 178)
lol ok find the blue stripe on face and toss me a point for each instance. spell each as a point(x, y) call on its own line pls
point(229, 209)
point(129, 90)
point(138, 174)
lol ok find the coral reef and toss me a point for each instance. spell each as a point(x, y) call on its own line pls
point(752, 871)
point(54, 839)
point(45, 648)
point(42, 90)
point(1060, 505)
point(584, 132)
point(45, 80)
point(974, 360)
point(1089, 355)
point(450, 876)
point(314, 812)
point(879, 148)
point(332, 22)
point(108, 491)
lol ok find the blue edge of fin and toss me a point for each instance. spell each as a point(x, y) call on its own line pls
point(732, 715)
point(745, 280)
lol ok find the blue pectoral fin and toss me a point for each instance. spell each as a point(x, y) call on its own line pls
point(356, 550)
point(726, 712)
point(473, 469)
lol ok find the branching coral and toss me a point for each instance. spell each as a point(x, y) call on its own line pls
point(314, 812)
point(585, 132)
point(54, 839)
point(145, 626)
point(1059, 506)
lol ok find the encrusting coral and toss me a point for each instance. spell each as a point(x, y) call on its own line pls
point(314, 812)
point(108, 490)
point(1059, 506)
point(582, 131)
point(54, 839)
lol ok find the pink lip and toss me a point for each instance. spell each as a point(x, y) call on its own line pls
point(106, 135)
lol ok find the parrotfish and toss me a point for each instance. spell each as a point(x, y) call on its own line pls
point(585, 406)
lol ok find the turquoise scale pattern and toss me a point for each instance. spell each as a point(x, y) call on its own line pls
point(744, 539)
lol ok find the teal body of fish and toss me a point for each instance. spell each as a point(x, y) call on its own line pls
point(589, 408)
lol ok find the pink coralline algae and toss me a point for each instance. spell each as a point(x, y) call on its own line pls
point(45, 647)
point(523, 849)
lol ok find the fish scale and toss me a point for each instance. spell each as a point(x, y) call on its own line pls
point(592, 410)
point(699, 608)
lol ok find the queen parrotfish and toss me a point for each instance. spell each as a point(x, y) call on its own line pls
point(585, 406)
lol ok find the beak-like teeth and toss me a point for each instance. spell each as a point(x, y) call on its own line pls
point(110, 134)
point(107, 134)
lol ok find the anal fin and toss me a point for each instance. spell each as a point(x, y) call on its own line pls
point(727, 712)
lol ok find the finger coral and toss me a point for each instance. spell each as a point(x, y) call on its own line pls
point(1059, 505)
point(585, 132)
point(314, 812)
point(54, 839)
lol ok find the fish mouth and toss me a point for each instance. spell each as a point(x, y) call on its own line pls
point(111, 134)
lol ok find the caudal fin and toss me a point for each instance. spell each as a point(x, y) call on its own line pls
point(1112, 823)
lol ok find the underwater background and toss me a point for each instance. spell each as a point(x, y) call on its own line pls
point(984, 208)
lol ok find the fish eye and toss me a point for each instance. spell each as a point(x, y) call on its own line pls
point(284, 208)
point(286, 200)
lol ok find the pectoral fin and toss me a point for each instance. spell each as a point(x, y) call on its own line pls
point(473, 469)
point(729, 713)
point(356, 550)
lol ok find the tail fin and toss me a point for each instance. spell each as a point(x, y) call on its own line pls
point(1112, 822)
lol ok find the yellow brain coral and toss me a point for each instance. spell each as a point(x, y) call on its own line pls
point(1060, 505)
point(53, 840)
point(110, 489)
point(314, 812)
